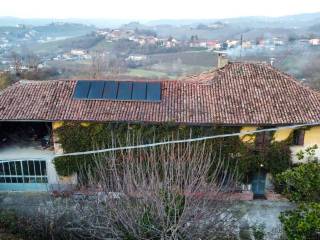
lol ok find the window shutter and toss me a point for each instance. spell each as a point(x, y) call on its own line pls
point(301, 138)
point(263, 139)
point(259, 139)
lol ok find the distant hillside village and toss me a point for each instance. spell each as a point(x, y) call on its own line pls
point(145, 39)
point(64, 50)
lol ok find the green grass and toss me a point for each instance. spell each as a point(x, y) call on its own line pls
point(47, 47)
point(83, 42)
point(139, 72)
point(102, 46)
point(193, 58)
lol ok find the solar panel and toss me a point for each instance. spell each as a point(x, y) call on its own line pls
point(113, 90)
point(82, 89)
point(139, 91)
point(125, 91)
point(153, 91)
point(110, 90)
point(96, 90)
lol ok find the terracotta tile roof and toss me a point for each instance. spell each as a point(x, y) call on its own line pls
point(239, 93)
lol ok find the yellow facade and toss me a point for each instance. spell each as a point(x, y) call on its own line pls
point(56, 125)
point(282, 134)
point(59, 124)
point(85, 124)
point(247, 138)
point(312, 136)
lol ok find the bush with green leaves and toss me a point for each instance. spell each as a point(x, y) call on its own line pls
point(258, 231)
point(302, 183)
point(302, 223)
point(309, 154)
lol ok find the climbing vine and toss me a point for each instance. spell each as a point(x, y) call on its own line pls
point(75, 137)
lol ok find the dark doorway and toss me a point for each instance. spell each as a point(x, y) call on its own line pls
point(259, 184)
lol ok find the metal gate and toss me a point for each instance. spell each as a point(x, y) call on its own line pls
point(23, 175)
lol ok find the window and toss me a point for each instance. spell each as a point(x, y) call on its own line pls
point(298, 137)
point(263, 139)
point(24, 171)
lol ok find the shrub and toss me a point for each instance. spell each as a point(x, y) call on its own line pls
point(45, 223)
point(8, 220)
point(302, 183)
point(164, 193)
point(303, 222)
point(258, 231)
point(309, 154)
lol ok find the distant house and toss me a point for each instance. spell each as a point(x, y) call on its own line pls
point(246, 44)
point(78, 52)
point(171, 43)
point(278, 42)
point(115, 34)
point(232, 43)
point(194, 44)
point(210, 44)
point(314, 41)
point(151, 40)
point(136, 58)
point(213, 45)
point(247, 95)
point(203, 44)
point(142, 41)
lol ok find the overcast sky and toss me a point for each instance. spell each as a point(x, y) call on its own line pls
point(150, 9)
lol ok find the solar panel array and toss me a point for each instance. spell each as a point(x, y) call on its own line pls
point(117, 90)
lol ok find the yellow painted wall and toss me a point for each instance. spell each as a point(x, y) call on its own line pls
point(282, 134)
point(85, 124)
point(56, 125)
point(312, 136)
point(248, 138)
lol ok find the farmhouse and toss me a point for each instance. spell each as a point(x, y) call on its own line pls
point(245, 95)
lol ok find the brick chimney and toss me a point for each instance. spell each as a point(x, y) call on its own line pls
point(222, 60)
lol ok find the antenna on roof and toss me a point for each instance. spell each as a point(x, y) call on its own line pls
point(241, 40)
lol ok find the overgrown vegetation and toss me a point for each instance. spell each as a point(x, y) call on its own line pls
point(5, 80)
point(167, 192)
point(77, 137)
point(46, 223)
point(302, 185)
point(302, 223)
point(258, 231)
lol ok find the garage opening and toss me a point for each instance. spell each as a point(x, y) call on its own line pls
point(25, 149)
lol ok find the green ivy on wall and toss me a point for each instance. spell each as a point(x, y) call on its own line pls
point(75, 137)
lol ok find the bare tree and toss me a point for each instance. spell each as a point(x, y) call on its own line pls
point(99, 64)
point(167, 192)
point(32, 61)
point(16, 62)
